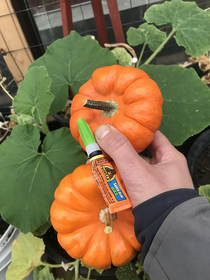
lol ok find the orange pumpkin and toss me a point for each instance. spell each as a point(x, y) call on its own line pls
point(86, 229)
point(124, 97)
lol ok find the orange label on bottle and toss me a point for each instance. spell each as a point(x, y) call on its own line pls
point(109, 185)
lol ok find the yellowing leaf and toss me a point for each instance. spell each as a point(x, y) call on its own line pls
point(122, 56)
point(26, 254)
point(205, 191)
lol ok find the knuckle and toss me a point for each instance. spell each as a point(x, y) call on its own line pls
point(181, 157)
point(117, 142)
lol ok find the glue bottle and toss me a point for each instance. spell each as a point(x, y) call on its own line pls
point(103, 172)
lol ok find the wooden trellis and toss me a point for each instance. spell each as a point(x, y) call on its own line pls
point(13, 44)
point(99, 20)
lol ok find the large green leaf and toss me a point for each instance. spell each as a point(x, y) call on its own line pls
point(145, 34)
point(28, 178)
point(27, 251)
point(33, 97)
point(71, 61)
point(190, 23)
point(186, 101)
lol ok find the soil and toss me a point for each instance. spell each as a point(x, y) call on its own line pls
point(3, 226)
point(201, 172)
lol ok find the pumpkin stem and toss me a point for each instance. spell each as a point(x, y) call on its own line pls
point(108, 108)
point(108, 219)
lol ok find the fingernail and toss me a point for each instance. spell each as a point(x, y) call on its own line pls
point(102, 130)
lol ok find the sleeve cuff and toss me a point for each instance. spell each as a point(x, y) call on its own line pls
point(150, 214)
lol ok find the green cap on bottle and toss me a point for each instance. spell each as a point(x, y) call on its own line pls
point(85, 132)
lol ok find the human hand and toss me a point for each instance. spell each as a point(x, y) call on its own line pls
point(145, 178)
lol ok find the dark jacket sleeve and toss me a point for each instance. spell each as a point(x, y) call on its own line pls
point(174, 230)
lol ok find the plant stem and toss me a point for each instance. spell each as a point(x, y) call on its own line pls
point(99, 105)
point(55, 265)
point(108, 219)
point(126, 46)
point(160, 47)
point(76, 265)
point(43, 128)
point(4, 136)
point(5, 91)
point(89, 272)
point(108, 108)
point(141, 54)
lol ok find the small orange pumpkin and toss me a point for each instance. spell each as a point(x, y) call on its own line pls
point(86, 229)
point(124, 97)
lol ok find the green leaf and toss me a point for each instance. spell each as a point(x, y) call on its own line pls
point(28, 178)
point(70, 275)
point(140, 268)
point(22, 119)
point(186, 101)
point(122, 56)
point(71, 61)
point(36, 272)
point(42, 229)
point(145, 34)
point(26, 255)
point(139, 264)
point(205, 191)
point(190, 23)
point(127, 272)
point(33, 97)
point(45, 274)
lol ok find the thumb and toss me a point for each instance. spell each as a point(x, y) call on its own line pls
point(117, 146)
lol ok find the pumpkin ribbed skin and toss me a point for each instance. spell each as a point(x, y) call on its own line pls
point(75, 216)
point(138, 98)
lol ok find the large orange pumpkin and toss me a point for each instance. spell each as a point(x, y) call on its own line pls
point(128, 99)
point(86, 229)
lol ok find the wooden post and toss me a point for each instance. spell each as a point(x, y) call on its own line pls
point(66, 15)
point(116, 21)
point(13, 44)
point(100, 22)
